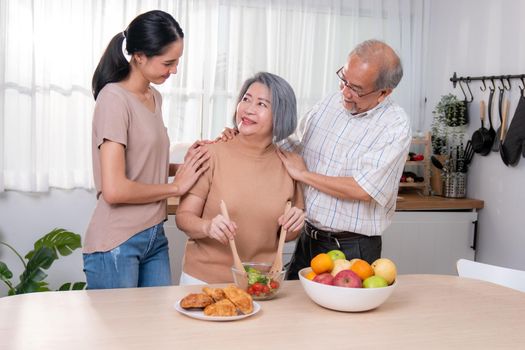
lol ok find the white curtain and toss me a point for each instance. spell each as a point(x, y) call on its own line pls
point(50, 48)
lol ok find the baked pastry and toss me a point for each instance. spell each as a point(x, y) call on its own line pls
point(217, 294)
point(242, 300)
point(196, 300)
point(223, 307)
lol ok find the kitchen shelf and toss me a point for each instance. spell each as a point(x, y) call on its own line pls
point(422, 165)
point(413, 184)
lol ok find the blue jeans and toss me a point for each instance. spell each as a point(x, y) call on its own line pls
point(141, 261)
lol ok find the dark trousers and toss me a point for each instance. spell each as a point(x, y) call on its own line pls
point(362, 247)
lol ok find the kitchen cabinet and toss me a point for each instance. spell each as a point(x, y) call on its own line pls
point(430, 241)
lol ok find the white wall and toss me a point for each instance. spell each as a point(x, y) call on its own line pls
point(476, 38)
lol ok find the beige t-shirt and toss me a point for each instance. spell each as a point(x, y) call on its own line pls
point(255, 188)
point(120, 117)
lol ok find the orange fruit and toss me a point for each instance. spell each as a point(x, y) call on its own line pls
point(322, 263)
point(310, 275)
point(362, 269)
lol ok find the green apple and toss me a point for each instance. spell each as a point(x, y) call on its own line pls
point(375, 282)
point(336, 254)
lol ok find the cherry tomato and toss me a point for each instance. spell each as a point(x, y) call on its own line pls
point(274, 284)
point(265, 289)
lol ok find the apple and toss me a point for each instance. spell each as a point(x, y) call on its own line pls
point(324, 278)
point(375, 282)
point(348, 279)
point(340, 265)
point(336, 254)
point(385, 268)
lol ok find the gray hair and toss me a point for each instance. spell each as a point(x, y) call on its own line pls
point(284, 104)
point(390, 68)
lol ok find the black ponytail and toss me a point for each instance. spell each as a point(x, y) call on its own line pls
point(112, 67)
point(149, 33)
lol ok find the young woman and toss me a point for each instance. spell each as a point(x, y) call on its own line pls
point(248, 175)
point(125, 245)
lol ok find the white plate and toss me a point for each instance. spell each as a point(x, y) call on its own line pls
point(199, 314)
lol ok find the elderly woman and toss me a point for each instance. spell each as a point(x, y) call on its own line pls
point(248, 175)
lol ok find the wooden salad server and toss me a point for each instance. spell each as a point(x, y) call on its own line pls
point(237, 263)
point(278, 262)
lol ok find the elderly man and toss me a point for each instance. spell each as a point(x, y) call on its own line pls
point(354, 145)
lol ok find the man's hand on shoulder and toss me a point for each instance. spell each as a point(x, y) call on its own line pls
point(293, 163)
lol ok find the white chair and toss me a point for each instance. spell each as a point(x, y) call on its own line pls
point(504, 276)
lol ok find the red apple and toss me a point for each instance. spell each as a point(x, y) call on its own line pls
point(324, 278)
point(347, 278)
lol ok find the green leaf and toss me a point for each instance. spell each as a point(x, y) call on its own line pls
point(75, 286)
point(31, 279)
point(5, 273)
point(65, 286)
point(59, 241)
point(79, 286)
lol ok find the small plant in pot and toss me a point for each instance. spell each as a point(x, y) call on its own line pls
point(448, 132)
point(449, 124)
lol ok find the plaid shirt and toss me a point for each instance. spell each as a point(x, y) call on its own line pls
point(371, 147)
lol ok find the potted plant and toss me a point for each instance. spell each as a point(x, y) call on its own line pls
point(449, 124)
point(448, 132)
point(46, 250)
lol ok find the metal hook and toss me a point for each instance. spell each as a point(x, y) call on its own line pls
point(470, 92)
point(503, 87)
point(462, 90)
point(484, 88)
point(493, 88)
point(507, 78)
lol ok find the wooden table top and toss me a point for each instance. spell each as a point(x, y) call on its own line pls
point(405, 202)
point(424, 312)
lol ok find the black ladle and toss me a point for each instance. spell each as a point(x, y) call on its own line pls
point(481, 137)
point(503, 130)
point(492, 132)
point(497, 140)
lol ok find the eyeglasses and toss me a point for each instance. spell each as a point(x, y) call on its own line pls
point(347, 84)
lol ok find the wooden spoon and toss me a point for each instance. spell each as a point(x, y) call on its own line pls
point(236, 260)
point(278, 262)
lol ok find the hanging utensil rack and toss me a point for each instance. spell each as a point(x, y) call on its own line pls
point(484, 78)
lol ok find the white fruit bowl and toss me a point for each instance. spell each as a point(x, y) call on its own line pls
point(344, 299)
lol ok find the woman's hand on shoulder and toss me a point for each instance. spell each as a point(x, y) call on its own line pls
point(195, 164)
point(226, 135)
point(196, 147)
point(222, 229)
point(293, 220)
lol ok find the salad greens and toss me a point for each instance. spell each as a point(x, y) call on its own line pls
point(255, 276)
